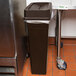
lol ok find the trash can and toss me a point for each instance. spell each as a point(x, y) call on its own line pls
point(37, 17)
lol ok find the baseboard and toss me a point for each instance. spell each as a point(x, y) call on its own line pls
point(51, 40)
point(64, 40)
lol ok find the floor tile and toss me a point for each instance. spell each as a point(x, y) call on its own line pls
point(68, 52)
point(69, 41)
point(55, 66)
point(74, 47)
point(54, 47)
point(74, 50)
point(42, 75)
point(68, 48)
point(75, 53)
point(49, 72)
point(29, 66)
point(49, 66)
point(58, 73)
point(50, 47)
point(70, 59)
point(54, 52)
point(54, 59)
point(72, 66)
point(70, 73)
point(49, 52)
point(68, 67)
point(25, 67)
point(49, 59)
point(62, 52)
point(30, 74)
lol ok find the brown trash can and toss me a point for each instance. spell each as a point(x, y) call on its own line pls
point(37, 17)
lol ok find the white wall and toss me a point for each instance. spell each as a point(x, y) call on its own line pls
point(68, 28)
point(69, 23)
point(29, 1)
point(19, 6)
point(68, 19)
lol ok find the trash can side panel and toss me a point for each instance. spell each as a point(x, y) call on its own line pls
point(37, 13)
point(38, 41)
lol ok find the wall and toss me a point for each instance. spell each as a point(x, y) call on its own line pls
point(68, 28)
point(68, 19)
point(19, 6)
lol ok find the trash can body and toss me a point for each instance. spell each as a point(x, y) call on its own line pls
point(38, 42)
point(38, 37)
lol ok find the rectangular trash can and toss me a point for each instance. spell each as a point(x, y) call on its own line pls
point(37, 17)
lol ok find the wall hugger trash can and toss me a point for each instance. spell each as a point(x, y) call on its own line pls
point(37, 17)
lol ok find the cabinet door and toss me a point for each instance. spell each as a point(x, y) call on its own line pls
point(6, 31)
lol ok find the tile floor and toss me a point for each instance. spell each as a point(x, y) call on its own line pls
point(68, 53)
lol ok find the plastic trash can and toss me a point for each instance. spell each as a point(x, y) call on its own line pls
point(37, 17)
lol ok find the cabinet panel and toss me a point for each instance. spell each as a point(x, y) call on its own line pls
point(6, 31)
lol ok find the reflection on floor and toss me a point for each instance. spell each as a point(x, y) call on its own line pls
point(68, 53)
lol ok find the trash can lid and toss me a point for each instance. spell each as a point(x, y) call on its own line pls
point(40, 10)
point(37, 21)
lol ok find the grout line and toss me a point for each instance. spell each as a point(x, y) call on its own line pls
point(68, 56)
point(63, 57)
point(52, 61)
point(64, 44)
point(74, 56)
point(69, 44)
point(63, 52)
point(74, 53)
point(65, 72)
point(73, 70)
